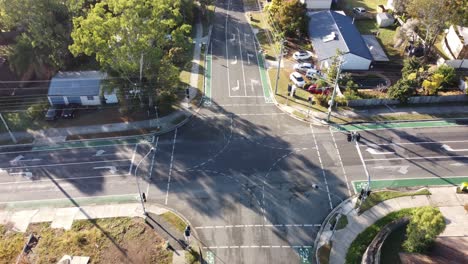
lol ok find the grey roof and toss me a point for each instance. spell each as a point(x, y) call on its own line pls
point(347, 37)
point(84, 83)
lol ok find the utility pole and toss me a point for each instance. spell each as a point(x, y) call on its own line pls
point(356, 137)
point(142, 195)
point(279, 65)
point(332, 101)
point(8, 129)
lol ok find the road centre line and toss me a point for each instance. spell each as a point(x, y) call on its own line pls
point(256, 246)
point(242, 61)
point(227, 49)
point(170, 167)
point(258, 225)
point(133, 159)
point(66, 179)
point(321, 166)
point(63, 164)
point(421, 158)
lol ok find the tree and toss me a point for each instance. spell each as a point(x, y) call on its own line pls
point(424, 226)
point(292, 18)
point(45, 26)
point(126, 34)
point(432, 85)
point(458, 12)
point(449, 76)
point(401, 90)
point(433, 15)
point(400, 5)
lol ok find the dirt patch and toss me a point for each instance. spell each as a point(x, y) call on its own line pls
point(112, 240)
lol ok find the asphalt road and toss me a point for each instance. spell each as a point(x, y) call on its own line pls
point(241, 170)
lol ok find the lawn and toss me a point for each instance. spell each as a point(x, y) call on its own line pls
point(370, 5)
point(378, 197)
point(112, 240)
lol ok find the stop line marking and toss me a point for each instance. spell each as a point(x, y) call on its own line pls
point(260, 225)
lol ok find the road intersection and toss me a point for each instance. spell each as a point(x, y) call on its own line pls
point(241, 170)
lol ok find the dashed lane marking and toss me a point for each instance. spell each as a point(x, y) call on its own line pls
point(170, 167)
point(321, 166)
point(261, 225)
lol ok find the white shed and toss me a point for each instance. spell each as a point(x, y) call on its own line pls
point(317, 4)
point(384, 19)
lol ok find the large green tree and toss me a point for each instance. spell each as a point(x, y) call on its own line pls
point(45, 27)
point(289, 17)
point(126, 34)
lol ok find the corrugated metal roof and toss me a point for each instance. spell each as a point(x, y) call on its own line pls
point(83, 83)
point(331, 30)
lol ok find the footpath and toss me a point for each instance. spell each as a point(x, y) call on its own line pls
point(446, 199)
point(64, 217)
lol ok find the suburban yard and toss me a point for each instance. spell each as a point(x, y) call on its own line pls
point(112, 240)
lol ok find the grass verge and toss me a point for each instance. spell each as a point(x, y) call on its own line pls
point(342, 222)
point(174, 220)
point(362, 241)
point(111, 240)
point(378, 197)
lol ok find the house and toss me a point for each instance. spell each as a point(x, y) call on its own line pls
point(83, 88)
point(455, 43)
point(317, 4)
point(330, 31)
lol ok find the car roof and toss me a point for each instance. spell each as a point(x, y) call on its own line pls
point(296, 74)
point(306, 64)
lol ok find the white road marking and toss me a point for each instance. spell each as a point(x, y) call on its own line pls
point(321, 166)
point(249, 55)
point(252, 83)
point(242, 61)
point(99, 153)
point(63, 179)
point(227, 49)
point(417, 143)
point(401, 169)
point(170, 167)
point(235, 60)
point(64, 164)
point(448, 148)
point(458, 164)
point(133, 159)
point(68, 199)
point(421, 158)
point(233, 37)
point(236, 88)
point(112, 169)
point(255, 246)
point(152, 165)
point(341, 162)
point(376, 152)
point(67, 148)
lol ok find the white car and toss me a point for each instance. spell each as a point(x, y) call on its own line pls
point(301, 55)
point(303, 67)
point(313, 73)
point(297, 79)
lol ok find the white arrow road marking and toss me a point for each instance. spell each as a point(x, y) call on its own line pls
point(448, 148)
point(401, 169)
point(112, 169)
point(252, 83)
point(248, 57)
point(375, 152)
point(99, 153)
point(15, 161)
point(236, 88)
point(233, 37)
point(458, 164)
point(246, 36)
point(235, 60)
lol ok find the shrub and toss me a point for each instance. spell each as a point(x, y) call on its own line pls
point(36, 111)
point(322, 99)
point(449, 77)
point(401, 90)
point(424, 226)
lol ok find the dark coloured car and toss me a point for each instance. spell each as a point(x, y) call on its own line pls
point(53, 113)
point(69, 112)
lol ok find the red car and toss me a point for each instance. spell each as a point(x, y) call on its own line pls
point(313, 89)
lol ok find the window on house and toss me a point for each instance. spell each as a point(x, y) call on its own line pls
point(90, 98)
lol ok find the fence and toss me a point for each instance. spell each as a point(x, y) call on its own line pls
point(411, 100)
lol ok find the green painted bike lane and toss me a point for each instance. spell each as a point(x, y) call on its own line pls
point(95, 143)
point(264, 79)
point(395, 125)
point(410, 182)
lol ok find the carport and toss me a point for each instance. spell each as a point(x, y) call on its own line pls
point(376, 50)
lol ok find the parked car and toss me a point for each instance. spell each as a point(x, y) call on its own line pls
point(313, 74)
point(359, 10)
point(297, 79)
point(69, 111)
point(303, 67)
point(314, 89)
point(53, 113)
point(301, 55)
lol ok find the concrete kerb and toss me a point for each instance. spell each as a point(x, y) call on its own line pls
point(403, 121)
point(324, 225)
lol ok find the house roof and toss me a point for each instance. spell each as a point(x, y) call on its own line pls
point(331, 30)
point(83, 83)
